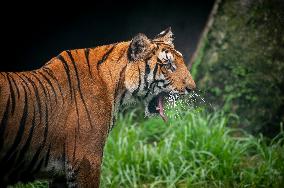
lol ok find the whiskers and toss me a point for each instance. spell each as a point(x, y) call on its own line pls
point(178, 105)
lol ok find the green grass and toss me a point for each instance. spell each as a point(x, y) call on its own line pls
point(194, 149)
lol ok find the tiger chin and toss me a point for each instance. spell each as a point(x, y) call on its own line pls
point(55, 120)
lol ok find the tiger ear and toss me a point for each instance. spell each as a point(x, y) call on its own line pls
point(165, 36)
point(139, 47)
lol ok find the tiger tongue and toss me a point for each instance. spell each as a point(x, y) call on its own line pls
point(160, 108)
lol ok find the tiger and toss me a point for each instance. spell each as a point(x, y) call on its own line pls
point(55, 120)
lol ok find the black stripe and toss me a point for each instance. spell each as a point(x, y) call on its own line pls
point(148, 92)
point(75, 146)
point(24, 81)
point(154, 79)
point(156, 82)
point(47, 155)
point(51, 74)
point(52, 88)
point(77, 113)
point(122, 54)
point(20, 132)
point(167, 84)
point(4, 123)
point(34, 160)
point(45, 130)
point(67, 71)
point(119, 81)
point(137, 89)
point(13, 102)
point(28, 142)
point(42, 86)
point(87, 53)
point(160, 87)
point(79, 87)
point(122, 98)
point(41, 146)
point(149, 88)
point(36, 96)
point(147, 71)
point(113, 122)
point(46, 126)
point(105, 56)
point(120, 74)
point(37, 168)
point(78, 82)
point(155, 71)
point(15, 84)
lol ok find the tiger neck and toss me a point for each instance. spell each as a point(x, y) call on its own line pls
point(98, 71)
point(111, 69)
point(117, 95)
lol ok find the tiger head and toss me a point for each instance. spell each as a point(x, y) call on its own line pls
point(154, 70)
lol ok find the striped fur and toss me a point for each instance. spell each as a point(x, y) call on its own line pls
point(54, 121)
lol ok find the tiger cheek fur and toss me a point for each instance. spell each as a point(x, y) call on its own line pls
point(132, 77)
point(54, 121)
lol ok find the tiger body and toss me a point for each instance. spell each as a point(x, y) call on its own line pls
point(55, 120)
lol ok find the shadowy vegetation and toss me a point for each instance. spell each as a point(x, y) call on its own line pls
point(241, 63)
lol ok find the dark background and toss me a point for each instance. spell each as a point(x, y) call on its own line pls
point(34, 33)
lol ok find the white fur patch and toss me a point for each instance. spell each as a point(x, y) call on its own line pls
point(55, 167)
point(162, 32)
point(160, 77)
point(179, 53)
point(163, 56)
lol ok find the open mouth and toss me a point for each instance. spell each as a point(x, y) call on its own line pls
point(156, 106)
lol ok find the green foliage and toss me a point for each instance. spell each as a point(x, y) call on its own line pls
point(242, 61)
point(35, 184)
point(191, 150)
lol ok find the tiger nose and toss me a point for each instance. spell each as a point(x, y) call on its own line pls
point(189, 84)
